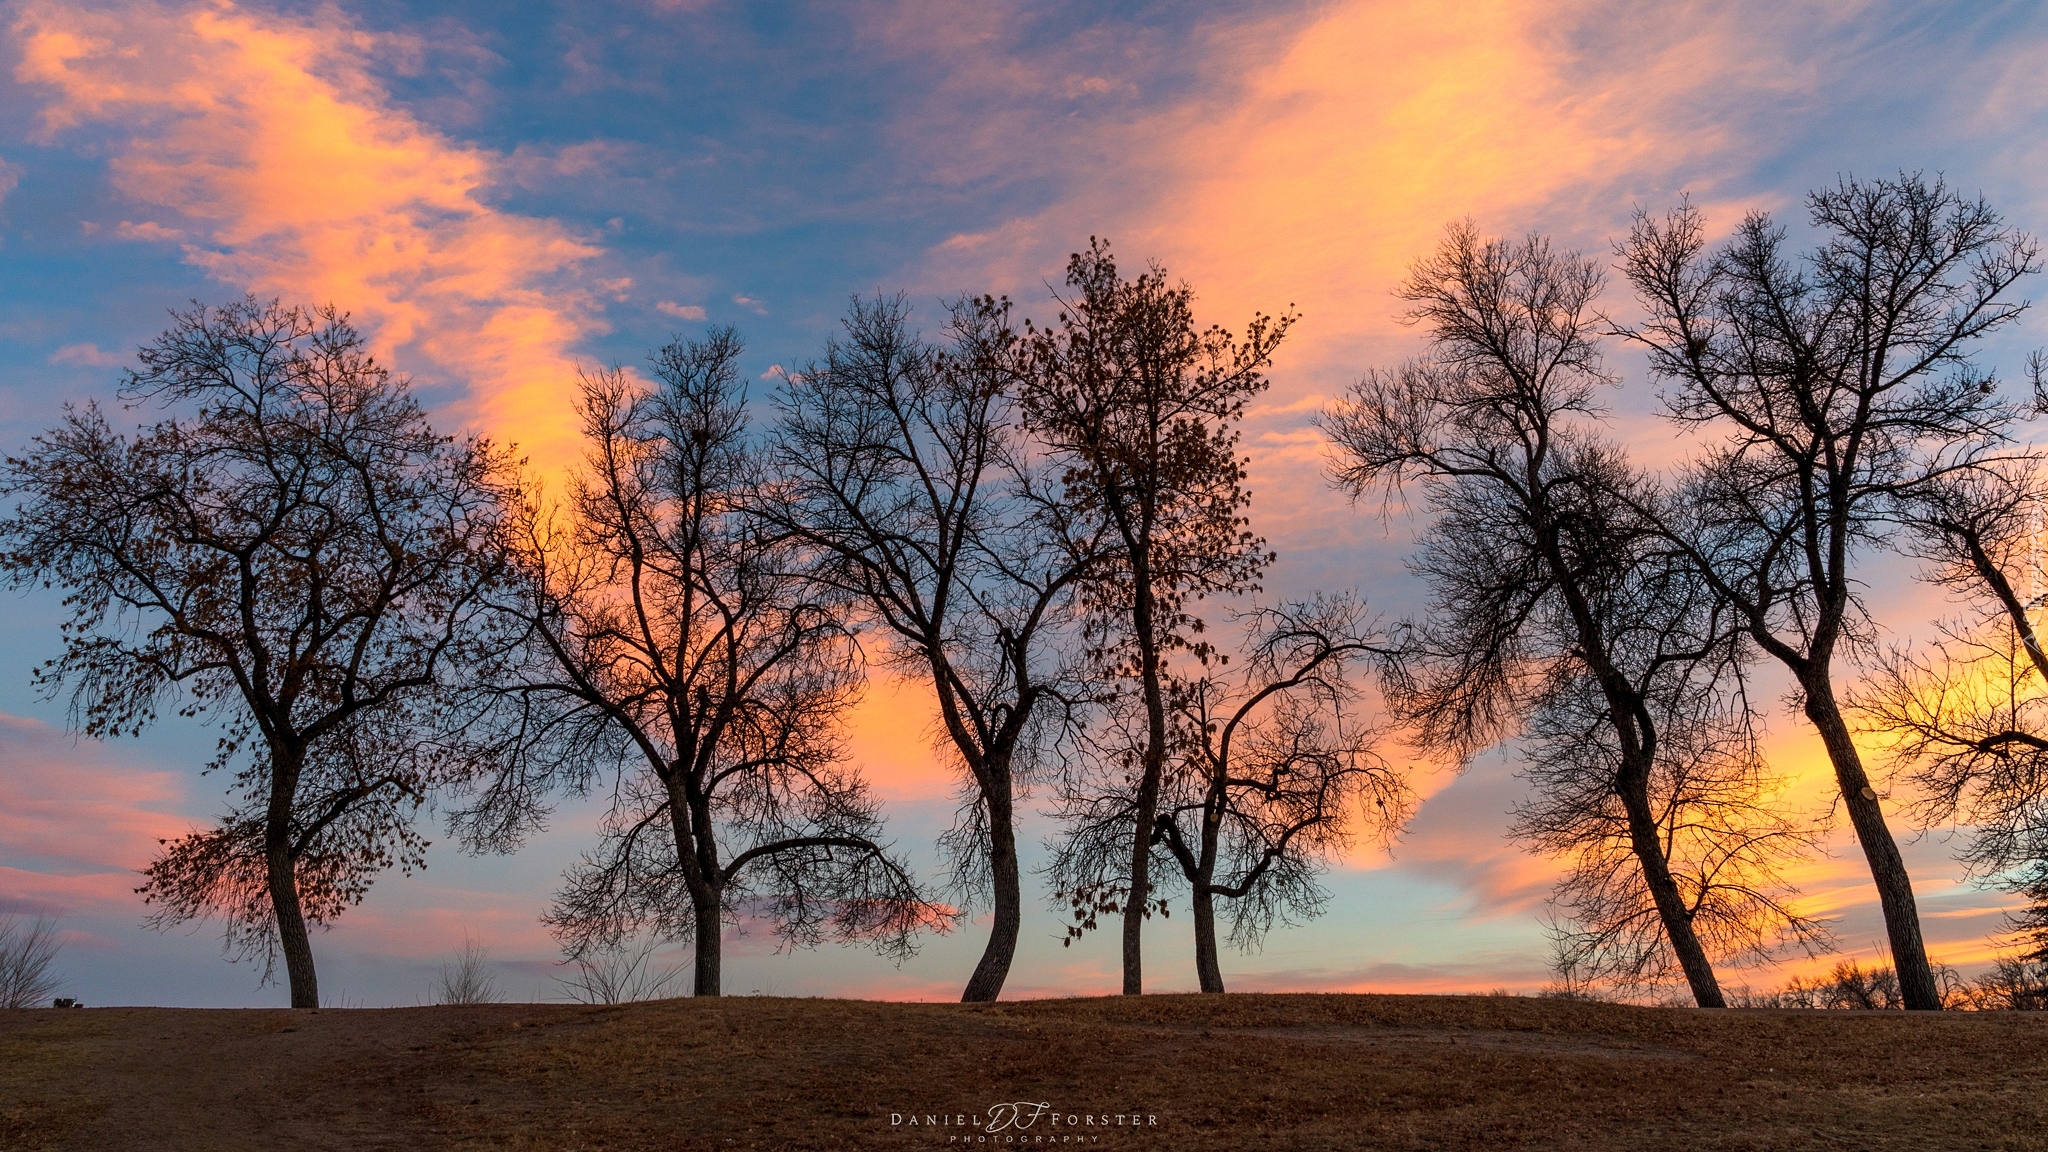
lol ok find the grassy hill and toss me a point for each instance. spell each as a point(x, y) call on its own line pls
point(1241, 1071)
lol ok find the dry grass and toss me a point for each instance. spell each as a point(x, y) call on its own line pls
point(1242, 1071)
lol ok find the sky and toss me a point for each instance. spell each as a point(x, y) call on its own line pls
point(503, 194)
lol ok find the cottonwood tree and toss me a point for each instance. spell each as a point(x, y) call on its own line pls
point(1717, 814)
point(904, 470)
point(680, 651)
point(1140, 408)
point(1834, 386)
point(1967, 715)
point(1276, 770)
point(296, 555)
point(1558, 614)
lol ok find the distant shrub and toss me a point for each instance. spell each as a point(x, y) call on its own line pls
point(467, 979)
point(2014, 984)
point(28, 957)
point(620, 975)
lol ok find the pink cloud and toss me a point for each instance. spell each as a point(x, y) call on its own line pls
point(296, 175)
point(680, 311)
point(148, 230)
point(87, 355)
point(77, 822)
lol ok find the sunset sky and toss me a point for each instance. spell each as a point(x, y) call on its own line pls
point(499, 198)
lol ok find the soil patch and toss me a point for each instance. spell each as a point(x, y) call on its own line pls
point(1238, 1071)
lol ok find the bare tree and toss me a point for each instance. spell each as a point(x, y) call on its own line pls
point(1717, 817)
point(1967, 715)
point(682, 652)
point(1278, 765)
point(1557, 611)
point(1841, 384)
point(299, 557)
point(905, 471)
point(28, 960)
point(1140, 407)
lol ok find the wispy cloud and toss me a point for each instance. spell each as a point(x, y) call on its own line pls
point(77, 820)
point(293, 173)
point(87, 355)
point(148, 230)
point(680, 311)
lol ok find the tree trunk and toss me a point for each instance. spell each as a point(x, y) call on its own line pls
point(987, 981)
point(1140, 895)
point(1207, 969)
point(710, 936)
point(1887, 868)
point(1633, 788)
point(690, 819)
point(1154, 766)
point(282, 873)
point(1141, 889)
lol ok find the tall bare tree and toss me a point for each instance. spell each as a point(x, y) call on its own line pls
point(1967, 715)
point(905, 470)
point(1557, 611)
point(1140, 407)
point(680, 651)
point(1840, 385)
point(1716, 813)
point(1278, 767)
point(296, 555)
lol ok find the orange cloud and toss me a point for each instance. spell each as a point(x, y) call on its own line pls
point(1321, 158)
point(297, 176)
point(893, 733)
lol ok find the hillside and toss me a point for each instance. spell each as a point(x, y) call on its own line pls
point(1243, 1071)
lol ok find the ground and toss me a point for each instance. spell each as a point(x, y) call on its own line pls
point(1238, 1071)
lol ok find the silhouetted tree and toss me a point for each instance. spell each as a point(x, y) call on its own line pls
point(1140, 407)
point(1715, 811)
point(1840, 384)
point(1276, 768)
point(296, 555)
point(1559, 614)
point(905, 471)
point(680, 650)
point(1967, 715)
